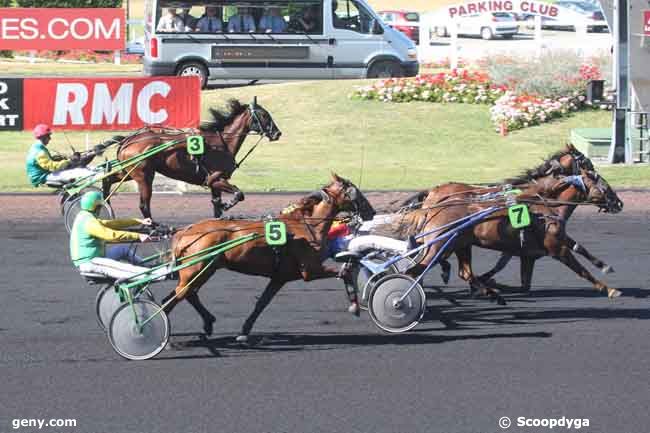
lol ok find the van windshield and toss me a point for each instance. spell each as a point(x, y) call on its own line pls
point(351, 15)
point(230, 16)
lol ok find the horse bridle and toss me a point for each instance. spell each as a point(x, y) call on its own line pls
point(258, 122)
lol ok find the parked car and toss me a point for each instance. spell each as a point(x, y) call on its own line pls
point(403, 21)
point(486, 25)
point(592, 15)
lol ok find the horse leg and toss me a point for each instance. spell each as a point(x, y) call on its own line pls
point(526, 267)
point(224, 186)
point(269, 293)
point(571, 262)
point(445, 268)
point(504, 259)
point(216, 202)
point(464, 256)
point(144, 180)
point(576, 247)
point(208, 318)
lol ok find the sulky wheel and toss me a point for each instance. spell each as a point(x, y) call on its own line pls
point(389, 312)
point(72, 206)
point(134, 343)
point(108, 301)
point(363, 280)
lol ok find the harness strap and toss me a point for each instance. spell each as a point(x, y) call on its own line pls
point(241, 161)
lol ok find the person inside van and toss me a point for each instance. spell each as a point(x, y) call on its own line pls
point(241, 22)
point(272, 21)
point(171, 22)
point(210, 22)
point(337, 22)
point(188, 20)
point(308, 22)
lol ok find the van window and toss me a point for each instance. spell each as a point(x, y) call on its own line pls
point(412, 17)
point(351, 15)
point(228, 16)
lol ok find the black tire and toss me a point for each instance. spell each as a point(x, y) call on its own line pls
point(486, 33)
point(530, 23)
point(194, 69)
point(385, 69)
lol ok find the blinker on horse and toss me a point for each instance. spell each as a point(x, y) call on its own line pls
point(223, 138)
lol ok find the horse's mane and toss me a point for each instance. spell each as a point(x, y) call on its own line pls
point(539, 171)
point(304, 206)
point(221, 118)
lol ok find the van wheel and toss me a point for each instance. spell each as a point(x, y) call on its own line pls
point(486, 33)
point(194, 69)
point(385, 69)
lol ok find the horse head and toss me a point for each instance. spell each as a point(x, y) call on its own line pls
point(262, 122)
point(600, 193)
point(347, 197)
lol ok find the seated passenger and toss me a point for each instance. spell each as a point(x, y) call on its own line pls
point(307, 22)
point(241, 22)
point(43, 168)
point(90, 234)
point(210, 22)
point(272, 22)
point(188, 20)
point(170, 22)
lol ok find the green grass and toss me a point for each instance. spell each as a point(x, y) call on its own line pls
point(386, 146)
point(21, 68)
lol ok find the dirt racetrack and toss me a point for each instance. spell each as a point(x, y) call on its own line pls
point(560, 351)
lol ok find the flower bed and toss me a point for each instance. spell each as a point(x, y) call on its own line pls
point(455, 86)
point(511, 109)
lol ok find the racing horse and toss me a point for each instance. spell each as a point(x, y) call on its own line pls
point(566, 162)
point(223, 138)
point(300, 258)
point(545, 237)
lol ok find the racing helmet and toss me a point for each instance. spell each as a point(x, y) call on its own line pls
point(91, 199)
point(41, 129)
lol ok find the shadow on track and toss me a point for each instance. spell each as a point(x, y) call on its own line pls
point(289, 342)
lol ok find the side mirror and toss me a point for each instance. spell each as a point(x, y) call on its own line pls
point(377, 29)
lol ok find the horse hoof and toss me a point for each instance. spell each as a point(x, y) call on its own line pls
point(354, 309)
point(242, 339)
point(501, 301)
point(445, 277)
point(208, 328)
point(607, 270)
point(613, 293)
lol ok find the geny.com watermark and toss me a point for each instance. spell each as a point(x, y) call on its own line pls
point(40, 423)
point(550, 423)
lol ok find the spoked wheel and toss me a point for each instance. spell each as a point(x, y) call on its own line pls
point(133, 342)
point(387, 308)
point(108, 301)
point(72, 207)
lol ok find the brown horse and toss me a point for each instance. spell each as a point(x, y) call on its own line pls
point(223, 137)
point(545, 237)
point(301, 258)
point(566, 162)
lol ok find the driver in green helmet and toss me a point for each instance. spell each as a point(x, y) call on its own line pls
point(90, 234)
